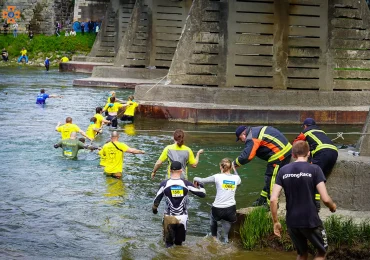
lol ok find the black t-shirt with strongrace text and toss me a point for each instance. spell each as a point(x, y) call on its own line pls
point(299, 181)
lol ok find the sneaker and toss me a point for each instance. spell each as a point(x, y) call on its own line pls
point(261, 201)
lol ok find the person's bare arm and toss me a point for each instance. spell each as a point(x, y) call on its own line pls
point(56, 128)
point(84, 135)
point(156, 167)
point(135, 151)
point(55, 96)
point(197, 158)
point(273, 208)
point(321, 188)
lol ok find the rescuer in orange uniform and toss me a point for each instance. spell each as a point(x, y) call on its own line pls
point(269, 144)
point(324, 153)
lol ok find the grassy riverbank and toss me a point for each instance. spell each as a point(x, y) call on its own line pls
point(347, 240)
point(42, 46)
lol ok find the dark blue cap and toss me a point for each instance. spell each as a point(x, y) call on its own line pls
point(175, 165)
point(309, 121)
point(240, 130)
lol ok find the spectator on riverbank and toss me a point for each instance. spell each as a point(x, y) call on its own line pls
point(30, 35)
point(96, 29)
point(66, 34)
point(72, 33)
point(90, 26)
point(5, 27)
point(4, 55)
point(82, 28)
point(23, 55)
point(15, 30)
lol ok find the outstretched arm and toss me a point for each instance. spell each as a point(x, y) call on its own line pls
point(84, 135)
point(135, 151)
point(56, 128)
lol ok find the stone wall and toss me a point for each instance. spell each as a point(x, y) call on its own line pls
point(40, 16)
point(86, 10)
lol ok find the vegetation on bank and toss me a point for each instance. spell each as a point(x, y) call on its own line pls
point(346, 239)
point(46, 46)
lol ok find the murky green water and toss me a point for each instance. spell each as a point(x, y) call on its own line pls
point(53, 208)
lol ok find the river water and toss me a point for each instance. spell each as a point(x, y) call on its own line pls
point(53, 208)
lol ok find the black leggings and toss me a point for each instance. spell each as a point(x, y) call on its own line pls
point(226, 214)
point(113, 119)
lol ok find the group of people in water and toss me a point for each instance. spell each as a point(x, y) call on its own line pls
point(303, 180)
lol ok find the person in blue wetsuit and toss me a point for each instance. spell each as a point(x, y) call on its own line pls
point(41, 98)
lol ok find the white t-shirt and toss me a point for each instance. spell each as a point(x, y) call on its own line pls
point(225, 185)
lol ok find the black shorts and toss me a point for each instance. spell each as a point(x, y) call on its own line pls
point(326, 159)
point(317, 237)
point(227, 214)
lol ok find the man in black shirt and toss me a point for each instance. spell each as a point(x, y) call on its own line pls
point(4, 55)
point(300, 180)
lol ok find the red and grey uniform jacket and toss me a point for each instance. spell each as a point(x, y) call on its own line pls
point(265, 142)
point(316, 139)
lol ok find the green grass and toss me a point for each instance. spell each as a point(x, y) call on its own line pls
point(257, 232)
point(47, 44)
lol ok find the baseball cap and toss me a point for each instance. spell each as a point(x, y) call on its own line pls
point(309, 121)
point(175, 165)
point(240, 130)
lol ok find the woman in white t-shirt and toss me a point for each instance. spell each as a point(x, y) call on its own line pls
point(224, 206)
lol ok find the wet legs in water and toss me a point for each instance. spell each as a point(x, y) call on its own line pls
point(226, 226)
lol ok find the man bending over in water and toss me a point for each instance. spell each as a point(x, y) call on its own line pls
point(72, 145)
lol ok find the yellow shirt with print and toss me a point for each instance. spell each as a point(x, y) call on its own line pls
point(67, 129)
point(113, 157)
point(182, 154)
point(99, 120)
point(114, 109)
point(90, 131)
point(130, 109)
point(23, 52)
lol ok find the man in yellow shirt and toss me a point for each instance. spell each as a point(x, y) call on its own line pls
point(100, 120)
point(112, 108)
point(131, 106)
point(23, 55)
point(68, 128)
point(64, 59)
point(93, 129)
point(114, 153)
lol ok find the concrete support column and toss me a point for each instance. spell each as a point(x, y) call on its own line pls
point(364, 141)
point(280, 47)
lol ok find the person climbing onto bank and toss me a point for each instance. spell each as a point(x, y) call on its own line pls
point(68, 128)
point(72, 145)
point(113, 152)
point(300, 180)
point(23, 55)
point(324, 153)
point(268, 144)
point(41, 98)
point(4, 55)
point(177, 152)
point(113, 94)
point(129, 113)
point(224, 206)
point(175, 190)
point(93, 129)
point(112, 108)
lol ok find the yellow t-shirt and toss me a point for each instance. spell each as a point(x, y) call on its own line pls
point(67, 129)
point(23, 52)
point(114, 157)
point(90, 131)
point(130, 108)
point(114, 109)
point(99, 120)
point(64, 59)
point(182, 154)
